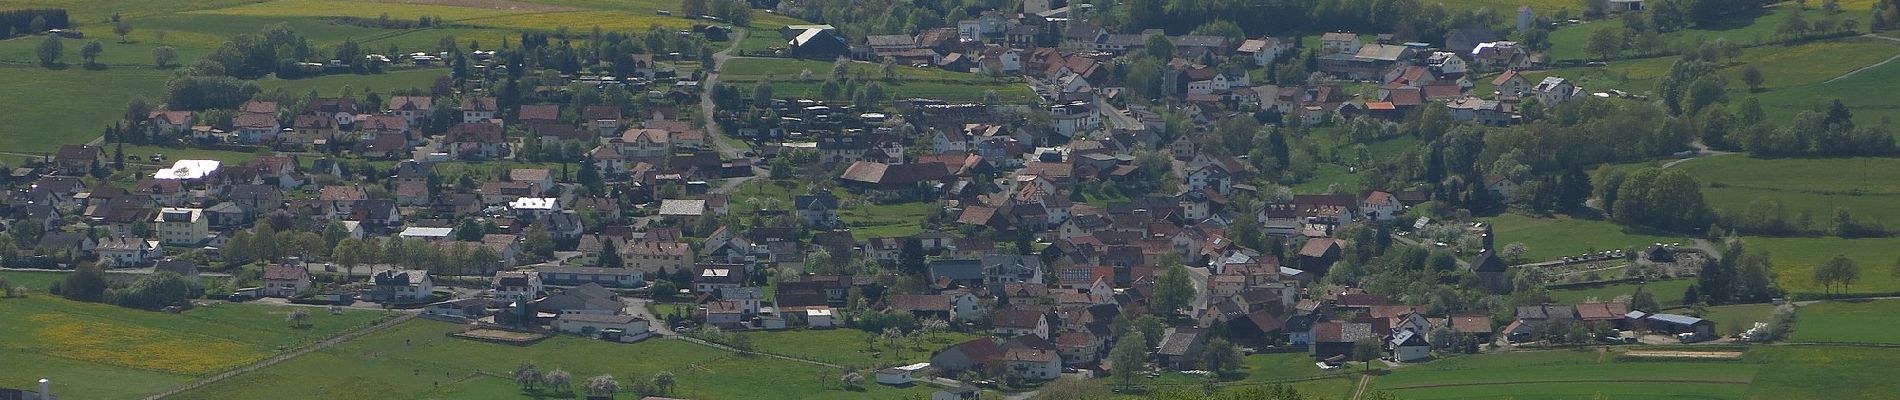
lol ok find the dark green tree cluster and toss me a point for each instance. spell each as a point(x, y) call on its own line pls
point(1659, 198)
point(30, 21)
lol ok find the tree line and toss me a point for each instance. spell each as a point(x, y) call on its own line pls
point(32, 21)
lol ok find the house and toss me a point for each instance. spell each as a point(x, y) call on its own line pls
point(181, 226)
point(1032, 363)
point(1555, 90)
point(866, 175)
point(1263, 51)
point(1500, 185)
point(1409, 346)
point(510, 286)
point(644, 143)
point(966, 392)
point(477, 109)
point(967, 356)
point(686, 211)
point(476, 141)
point(651, 256)
point(900, 375)
point(712, 277)
point(411, 108)
point(458, 308)
point(818, 209)
point(78, 159)
point(818, 44)
point(1627, 6)
point(255, 127)
point(587, 298)
point(1339, 43)
point(401, 286)
point(1495, 56)
point(127, 251)
point(612, 277)
point(820, 318)
point(1179, 347)
point(624, 328)
point(172, 121)
point(922, 306)
point(185, 269)
point(1020, 322)
point(285, 280)
point(1000, 269)
point(1336, 338)
point(1511, 83)
point(1381, 206)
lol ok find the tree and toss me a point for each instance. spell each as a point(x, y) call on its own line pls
point(297, 317)
point(88, 283)
point(1516, 251)
point(1752, 76)
point(559, 380)
point(1159, 48)
point(1643, 301)
point(527, 375)
point(1838, 270)
point(610, 256)
point(1605, 42)
point(50, 51)
point(91, 51)
point(602, 385)
point(1365, 351)
point(662, 288)
point(1128, 356)
point(122, 28)
point(852, 381)
point(663, 382)
point(1173, 291)
point(1220, 356)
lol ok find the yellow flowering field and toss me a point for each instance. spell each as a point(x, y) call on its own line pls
point(105, 342)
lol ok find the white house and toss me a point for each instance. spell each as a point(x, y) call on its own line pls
point(181, 226)
point(630, 328)
point(899, 375)
point(509, 286)
point(1262, 51)
point(1013, 322)
point(401, 285)
point(125, 251)
point(1554, 90)
point(820, 318)
point(1339, 43)
point(1381, 206)
point(1408, 346)
point(1033, 364)
point(1072, 118)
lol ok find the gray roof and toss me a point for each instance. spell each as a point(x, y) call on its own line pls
point(957, 269)
point(1676, 319)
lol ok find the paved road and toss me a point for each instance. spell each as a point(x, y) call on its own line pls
point(638, 307)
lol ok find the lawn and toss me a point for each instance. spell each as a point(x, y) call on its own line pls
point(1734, 319)
point(417, 361)
point(865, 219)
point(847, 347)
point(1795, 258)
point(1668, 292)
point(71, 106)
point(1815, 186)
point(1850, 322)
point(126, 353)
point(228, 159)
point(1824, 372)
point(1329, 177)
point(332, 85)
point(1566, 375)
point(1550, 238)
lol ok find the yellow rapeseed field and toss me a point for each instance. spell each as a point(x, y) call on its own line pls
point(138, 347)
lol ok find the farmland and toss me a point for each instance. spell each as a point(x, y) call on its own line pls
point(1566, 374)
point(1813, 186)
point(1568, 42)
point(127, 353)
point(416, 360)
point(850, 347)
point(1849, 322)
point(1795, 259)
point(1549, 238)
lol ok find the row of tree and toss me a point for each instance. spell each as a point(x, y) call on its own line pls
point(32, 21)
point(560, 382)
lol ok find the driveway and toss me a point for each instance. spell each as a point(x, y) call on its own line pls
point(638, 307)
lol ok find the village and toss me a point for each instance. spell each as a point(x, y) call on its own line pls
point(1093, 206)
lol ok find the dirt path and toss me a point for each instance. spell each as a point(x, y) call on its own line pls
point(1360, 391)
point(1878, 64)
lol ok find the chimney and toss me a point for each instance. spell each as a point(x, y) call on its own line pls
point(46, 389)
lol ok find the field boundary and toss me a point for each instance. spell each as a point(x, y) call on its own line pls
point(273, 360)
point(1550, 381)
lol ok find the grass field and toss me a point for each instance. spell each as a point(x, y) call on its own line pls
point(1795, 258)
point(784, 74)
point(1568, 42)
point(1823, 372)
point(70, 106)
point(1566, 375)
point(1327, 175)
point(1816, 186)
point(125, 353)
point(417, 361)
point(1549, 238)
point(1849, 322)
point(1734, 319)
point(1668, 293)
point(848, 347)
point(332, 85)
point(864, 218)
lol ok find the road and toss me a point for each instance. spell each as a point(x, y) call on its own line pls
point(638, 307)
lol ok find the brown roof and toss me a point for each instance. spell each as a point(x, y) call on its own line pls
point(1601, 311)
point(1504, 78)
point(1025, 354)
point(1471, 323)
point(285, 273)
point(478, 103)
point(979, 350)
point(477, 132)
point(596, 113)
point(919, 302)
point(546, 112)
point(1318, 247)
point(255, 120)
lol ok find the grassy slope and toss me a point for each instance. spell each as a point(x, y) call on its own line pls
point(1816, 186)
point(1855, 322)
point(124, 353)
point(1668, 293)
point(416, 360)
point(847, 346)
point(1817, 372)
point(1555, 237)
point(1569, 42)
point(1795, 258)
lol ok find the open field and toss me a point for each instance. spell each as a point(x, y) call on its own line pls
point(416, 360)
point(848, 347)
point(1566, 375)
point(1550, 238)
point(1816, 186)
point(332, 85)
point(1824, 372)
point(1795, 259)
point(1568, 42)
point(70, 106)
point(1850, 322)
point(126, 353)
point(865, 219)
point(1668, 293)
